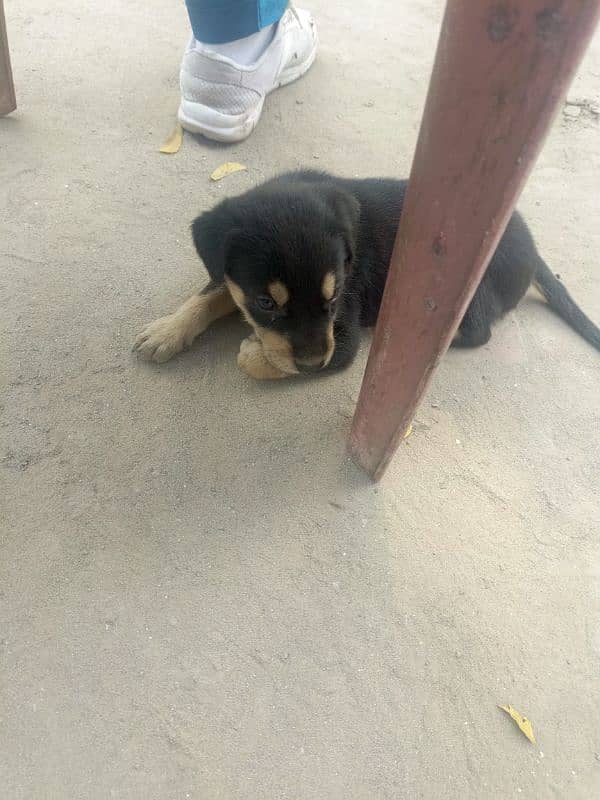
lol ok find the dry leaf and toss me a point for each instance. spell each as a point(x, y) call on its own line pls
point(226, 169)
point(524, 724)
point(408, 431)
point(174, 140)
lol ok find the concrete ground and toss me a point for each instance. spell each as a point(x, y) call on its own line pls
point(200, 596)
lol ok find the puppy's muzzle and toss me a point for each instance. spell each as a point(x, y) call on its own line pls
point(311, 366)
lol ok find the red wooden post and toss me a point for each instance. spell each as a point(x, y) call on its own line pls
point(500, 73)
point(8, 101)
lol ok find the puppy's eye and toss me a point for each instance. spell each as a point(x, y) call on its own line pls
point(265, 303)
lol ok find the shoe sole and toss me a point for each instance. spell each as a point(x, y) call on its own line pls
point(232, 128)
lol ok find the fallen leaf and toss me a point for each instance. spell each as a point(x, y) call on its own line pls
point(524, 724)
point(174, 140)
point(408, 431)
point(226, 169)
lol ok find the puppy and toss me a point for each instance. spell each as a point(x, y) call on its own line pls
point(305, 256)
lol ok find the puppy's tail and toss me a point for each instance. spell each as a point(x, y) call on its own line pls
point(560, 301)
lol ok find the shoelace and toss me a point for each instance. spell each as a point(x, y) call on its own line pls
point(295, 13)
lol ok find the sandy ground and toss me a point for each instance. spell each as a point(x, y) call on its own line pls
point(200, 596)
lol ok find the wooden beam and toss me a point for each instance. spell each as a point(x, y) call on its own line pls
point(500, 74)
point(8, 101)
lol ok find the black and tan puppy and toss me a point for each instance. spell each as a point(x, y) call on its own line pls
point(305, 257)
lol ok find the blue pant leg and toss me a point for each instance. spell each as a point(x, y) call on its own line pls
point(216, 21)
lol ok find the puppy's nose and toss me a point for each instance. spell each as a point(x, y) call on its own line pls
point(310, 366)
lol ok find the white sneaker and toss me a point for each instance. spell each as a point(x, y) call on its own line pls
point(223, 100)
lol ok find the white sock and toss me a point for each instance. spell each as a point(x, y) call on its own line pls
point(243, 51)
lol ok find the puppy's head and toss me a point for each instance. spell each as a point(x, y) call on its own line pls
point(287, 252)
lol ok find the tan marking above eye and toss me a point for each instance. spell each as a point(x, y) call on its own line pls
point(279, 292)
point(328, 285)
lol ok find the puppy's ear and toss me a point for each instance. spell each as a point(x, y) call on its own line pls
point(236, 246)
point(347, 213)
point(210, 232)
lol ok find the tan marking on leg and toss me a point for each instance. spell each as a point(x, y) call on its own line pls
point(330, 345)
point(540, 288)
point(328, 285)
point(253, 361)
point(163, 338)
point(279, 292)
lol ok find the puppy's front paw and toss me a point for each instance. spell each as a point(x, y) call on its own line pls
point(161, 339)
point(253, 361)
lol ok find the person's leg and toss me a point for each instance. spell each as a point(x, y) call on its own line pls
point(218, 22)
point(240, 52)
